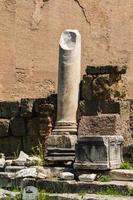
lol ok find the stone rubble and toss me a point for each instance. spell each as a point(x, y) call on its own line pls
point(66, 176)
point(87, 177)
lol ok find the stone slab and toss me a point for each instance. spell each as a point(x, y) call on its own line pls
point(66, 176)
point(87, 177)
point(56, 186)
point(85, 197)
point(18, 126)
point(108, 69)
point(121, 174)
point(106, 124)
point(9, 109)
point(14, 168)
point(99, 152)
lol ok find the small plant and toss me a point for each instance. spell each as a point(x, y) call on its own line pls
point(43, 196)
point(38, 151)
point(126, 165)
point(104, 178)
point(82, 193)
point(110, 191)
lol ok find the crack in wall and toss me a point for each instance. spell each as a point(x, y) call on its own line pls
point(36, 17)
point(83, 11)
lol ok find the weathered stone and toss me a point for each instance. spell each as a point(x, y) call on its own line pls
point(12, 169)
point(105, 107)
point(44, 107)
point(18, 126)
point(30, 193)
point(26, 107)
point(33, 126)
point(106, 124)
point(2, 161)
point(9, 109)
point(85, 197)
point(33, 172)
point(121, 175)
point(10, 145)
point(87, 177)
point(30, 142)
point(62, 141)
point(104, 87)
point(99, 152)
point(66, 176)
point(108, 69)
point(61, 148)
point(4, 127)
point(63, 186)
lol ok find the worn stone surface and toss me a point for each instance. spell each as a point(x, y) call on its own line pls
point(121, 174)
point(5, 194)
point(87, 177)
point(99, 152)
point(104, 87)
point(66, 176)
point(4, 127)
point(107, 124)
point(10, 145)
point(85, 197)
point(9, 109)
point(14, 168)
point(33, 126)
point(30, 193)
point(18, 127)
point(56, 186)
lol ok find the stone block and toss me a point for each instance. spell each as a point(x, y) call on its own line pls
point(26, 108)
point(87, 177)
point(10, 145)
point(13, 169)
point(30, 142)
point(121, 175)
point(99, 153)
point(44, 106)
point(4, 127)
point(108, 69)
point(60, 148)
point(66, 176)
point(18, 126)
point(9, 109)
point(33, 126)
point(95, 107)
point(62, 141)
point(106, 124)
point(104, 87)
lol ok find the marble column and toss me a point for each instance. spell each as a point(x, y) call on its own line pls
point(68, 80)
point(61, 143)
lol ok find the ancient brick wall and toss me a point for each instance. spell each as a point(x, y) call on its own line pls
point(29, 38)
point(26, 123)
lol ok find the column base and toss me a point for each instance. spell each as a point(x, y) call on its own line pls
point(61, 127)
point(60, 148)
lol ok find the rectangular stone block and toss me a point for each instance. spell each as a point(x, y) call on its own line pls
point(4, 127)
point(9, 109)
point(30, 142)
point(99, 153)
point(108, 69)
point(26, 107)
point(93, 107)
point(18, 126)
point(10, 145)
point(33, 126)
point(106, 124)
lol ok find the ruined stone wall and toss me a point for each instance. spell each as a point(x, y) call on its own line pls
point(25, 124)
point(29, 38)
